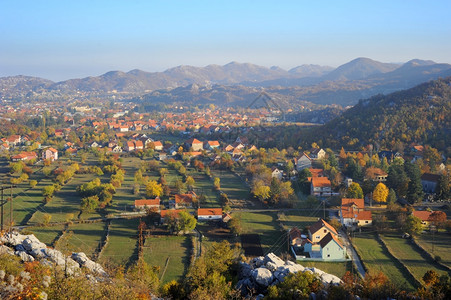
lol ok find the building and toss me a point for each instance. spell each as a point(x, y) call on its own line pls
point(320, 187)
point(148, 203)
point(317, 153)
point(184, 200)
point(352, 213)
point(24, 156)
point(209, 214)
point(424, 216)
point(429, 182)
point(276, 173)
point(50, 154)
point(303, 162)
point(194, 144)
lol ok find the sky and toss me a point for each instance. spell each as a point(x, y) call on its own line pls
point(59, 40)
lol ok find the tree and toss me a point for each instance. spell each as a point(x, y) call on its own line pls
point(48, 190)
point(438, 218)
point(90, 203)
point(261, 191)
point(413, 225)
point(33, 183)
point(397, 179)
point(187, 221)
point(235, 224)
point(391, 199)
point(295, 286)
point(190, 182)
point(179, 186)
point(217, 183)
point(46, 219)
point(354, 191)
point(414, 187)
point(153, 189)
point(444, 187)
point(380, 193)
point(142, 273)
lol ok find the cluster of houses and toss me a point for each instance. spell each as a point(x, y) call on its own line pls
point(181, 202)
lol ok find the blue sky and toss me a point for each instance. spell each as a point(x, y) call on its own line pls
point(59, 40)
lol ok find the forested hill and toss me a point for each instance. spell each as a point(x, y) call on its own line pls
point(421, 114)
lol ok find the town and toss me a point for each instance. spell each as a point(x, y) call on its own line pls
point(164, 187)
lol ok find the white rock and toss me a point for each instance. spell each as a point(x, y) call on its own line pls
point(317, 271)
point(84, 261)
point(24, 256)
point(330, 279)
point(262, 276)
point(32, 243)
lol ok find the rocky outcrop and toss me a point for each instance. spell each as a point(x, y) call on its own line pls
point(29, 249)
point(264, 271)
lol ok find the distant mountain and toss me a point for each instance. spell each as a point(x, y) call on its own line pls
point(359, 68)
point(420, 114)
point(345, 85)
point(310, 71)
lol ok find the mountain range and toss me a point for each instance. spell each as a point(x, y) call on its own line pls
point(345, 85)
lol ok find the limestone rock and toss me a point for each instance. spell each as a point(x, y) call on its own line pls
point(84, 261)
point(24, 256)
point(262, 276)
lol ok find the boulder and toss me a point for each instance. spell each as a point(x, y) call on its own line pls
point(262, 276)
point(258, 261)
point(24, 256)
point(32, 243)
point(330, 279)
point(19, 248)
point(38, 253)
point(245, 270)
point(274, 259)
point(294, 268)
point(317, 271)
point(84, 261)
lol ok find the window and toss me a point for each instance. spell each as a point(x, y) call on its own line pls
point(366, 222)
point(328, 255)
point(325, 230)
point(318, 237)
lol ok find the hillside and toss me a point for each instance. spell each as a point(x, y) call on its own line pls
point(421, 114)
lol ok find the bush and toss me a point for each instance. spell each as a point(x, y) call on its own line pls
point(437, 258)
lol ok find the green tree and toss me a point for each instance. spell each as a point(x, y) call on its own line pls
point(413, 225)
point(414, 187)
point(391, 199)
point(235, 224)
point(354, 191)
point(46, 219)
point(153, 189)
point(295, 286)
point(380, 193)
point(444, 187)
point(187, 221)
point(190, 182)
point(217, 183)
point(261, 191)
point(90, 203)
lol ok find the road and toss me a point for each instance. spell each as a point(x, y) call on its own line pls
point(352, 253)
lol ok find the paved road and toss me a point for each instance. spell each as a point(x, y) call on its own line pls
point(352, 253)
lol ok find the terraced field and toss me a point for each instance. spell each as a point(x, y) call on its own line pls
point(376, 259)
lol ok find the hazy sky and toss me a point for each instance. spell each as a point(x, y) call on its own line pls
point(59, 40)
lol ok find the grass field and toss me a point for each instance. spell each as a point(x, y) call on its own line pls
point(85, 237)
point(204, 186)
point(265, 224)
point(437, 244)
point(298, 218)
point(335, 268)
point(232, 185)
point(158, 249)
point(409, 256)
point(46, 235)
point(376, 259)
point(122, 243)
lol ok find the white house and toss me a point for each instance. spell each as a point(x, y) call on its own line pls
point(303, 162)
point(206, 214)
